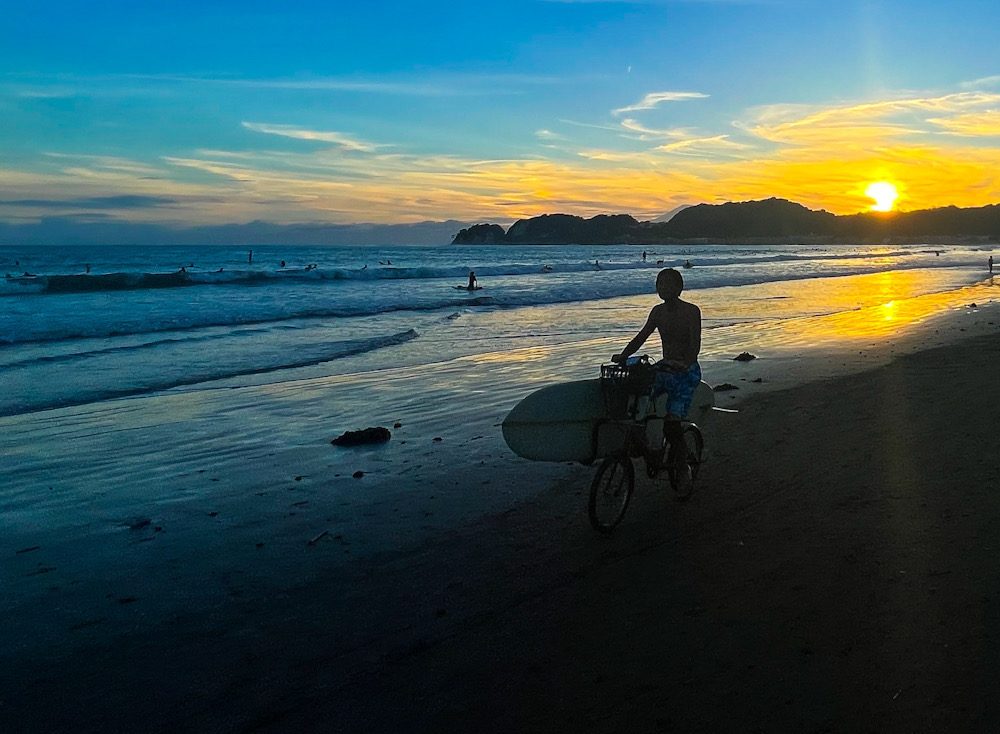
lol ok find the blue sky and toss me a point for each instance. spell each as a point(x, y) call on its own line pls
point(196, 113)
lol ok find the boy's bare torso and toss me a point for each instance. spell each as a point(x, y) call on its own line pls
point(679, 326)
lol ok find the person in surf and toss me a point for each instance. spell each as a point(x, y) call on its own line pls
point(679, 325)
point(472, 281)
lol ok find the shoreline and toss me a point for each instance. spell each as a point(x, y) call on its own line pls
point(420, 613)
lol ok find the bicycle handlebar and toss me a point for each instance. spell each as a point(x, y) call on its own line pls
point(639, 364)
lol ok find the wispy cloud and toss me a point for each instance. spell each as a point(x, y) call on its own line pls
point(986, 81)
point(433, 84)
point(593, 126)
point(706, 144)
point(974, 124)
point(653, 99)
point(124, 201)
point(548, 135)
point(863, 124)
point(322, 136)
point(48, 93)
point(646, 133)
point(106, 163)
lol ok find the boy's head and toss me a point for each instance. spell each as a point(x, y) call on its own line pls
point(669, 284)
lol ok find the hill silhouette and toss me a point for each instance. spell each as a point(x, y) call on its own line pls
point(770, 220)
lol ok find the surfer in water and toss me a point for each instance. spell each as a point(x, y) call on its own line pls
point(472, 280)
point(679, 324)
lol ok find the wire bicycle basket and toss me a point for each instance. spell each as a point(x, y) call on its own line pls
point(623, 383)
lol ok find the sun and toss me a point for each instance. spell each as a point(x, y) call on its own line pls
point(884, 193)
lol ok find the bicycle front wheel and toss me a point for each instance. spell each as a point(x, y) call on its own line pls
point(610, 493)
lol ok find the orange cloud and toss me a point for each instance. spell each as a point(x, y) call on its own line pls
point(974, 124)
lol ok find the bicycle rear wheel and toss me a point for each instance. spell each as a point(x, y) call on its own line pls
point(610, 493)
point(694, 446)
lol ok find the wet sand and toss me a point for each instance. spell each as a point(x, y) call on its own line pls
point(836, 571)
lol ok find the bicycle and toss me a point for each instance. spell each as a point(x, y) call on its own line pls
point(631, 407)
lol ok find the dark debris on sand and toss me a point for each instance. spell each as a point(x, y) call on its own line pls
point(377, 434)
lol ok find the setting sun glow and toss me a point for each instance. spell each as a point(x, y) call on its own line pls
point(884, 193)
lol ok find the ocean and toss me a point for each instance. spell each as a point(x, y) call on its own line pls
point(85, 324)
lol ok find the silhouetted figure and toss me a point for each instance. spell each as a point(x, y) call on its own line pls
point(679, 325)
point(991, 263)
point(88, 267)
point(687, 264)
point(597, 264)
point(282, 263)
point(250, 258)
point(365, 267)
point(644, 256)
point(472, 280)
point(388, 262)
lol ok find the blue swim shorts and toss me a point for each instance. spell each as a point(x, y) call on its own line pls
point(679, 387)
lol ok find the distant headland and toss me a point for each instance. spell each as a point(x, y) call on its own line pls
point(771, 221)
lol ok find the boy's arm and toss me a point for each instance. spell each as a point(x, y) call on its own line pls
point(638, 340)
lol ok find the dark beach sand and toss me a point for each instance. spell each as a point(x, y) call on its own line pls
point(838, 570)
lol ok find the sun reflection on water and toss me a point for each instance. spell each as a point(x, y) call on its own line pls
point(884, 319)
point(863, 309)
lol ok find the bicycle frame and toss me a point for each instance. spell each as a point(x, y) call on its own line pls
point(628, 433)
point(624, 435)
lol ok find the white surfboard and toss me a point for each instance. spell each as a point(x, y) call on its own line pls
point(569, 422)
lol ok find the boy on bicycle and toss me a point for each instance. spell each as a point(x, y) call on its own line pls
point(679, 324)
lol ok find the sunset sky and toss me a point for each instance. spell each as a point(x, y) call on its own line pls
point(213, 112)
